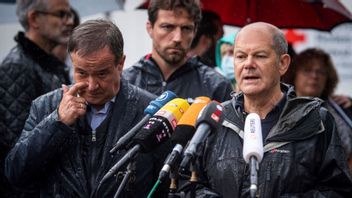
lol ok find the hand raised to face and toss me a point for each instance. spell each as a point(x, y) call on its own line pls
point(72, 106)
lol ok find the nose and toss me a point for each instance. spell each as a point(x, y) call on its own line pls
point(177, 35)
point(92, 84)
point(249, 63)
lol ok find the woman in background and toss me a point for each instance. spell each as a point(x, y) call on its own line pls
point(313, 74)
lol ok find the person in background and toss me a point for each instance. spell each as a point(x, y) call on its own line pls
point(313, 74)
point(30, 70)
point(64, 146)
point(60, 51)
point(209, 31)
point(224, 58)
point(172, 26)
point(303, 156)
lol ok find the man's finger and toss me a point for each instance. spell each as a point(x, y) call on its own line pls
point(76, 87)
point(64, 88)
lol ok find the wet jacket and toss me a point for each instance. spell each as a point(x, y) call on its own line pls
point(191, 80)
point(26, 73)
point(67, 162)
point(303, 156)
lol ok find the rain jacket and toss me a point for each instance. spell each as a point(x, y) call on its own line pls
point(303, 156)
point(66, 162)
point(26, 73)
point(191, 80)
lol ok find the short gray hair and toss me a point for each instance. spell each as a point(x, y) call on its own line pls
point(93, 35)
point(279, 42)
point(24, 6)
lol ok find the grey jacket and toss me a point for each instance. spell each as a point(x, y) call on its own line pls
point(65, 161)
point(303, 156)
point(191, 80)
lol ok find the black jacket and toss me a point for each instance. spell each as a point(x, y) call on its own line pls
point(26, 73)
point(61, 159)
point(191, 80)
point(303, 156)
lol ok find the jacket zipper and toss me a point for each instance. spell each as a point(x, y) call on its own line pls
point(94, 138)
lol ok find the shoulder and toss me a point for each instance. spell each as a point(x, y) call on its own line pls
point(49, 101)
point(207, 71)
point(138, 95)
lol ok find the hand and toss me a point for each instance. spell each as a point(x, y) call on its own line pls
point(72, 106)
point(342, 100)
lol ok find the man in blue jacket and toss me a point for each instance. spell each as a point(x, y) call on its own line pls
point(64, 146)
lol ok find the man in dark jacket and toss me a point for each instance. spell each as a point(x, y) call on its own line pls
point(29, 70)
point(303, 156)
point(172, 26)
point(64, 147)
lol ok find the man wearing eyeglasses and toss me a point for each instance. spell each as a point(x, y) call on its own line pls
point(30, 70)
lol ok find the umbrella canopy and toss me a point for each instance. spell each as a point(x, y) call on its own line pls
point(83, 7)
point(313, 14)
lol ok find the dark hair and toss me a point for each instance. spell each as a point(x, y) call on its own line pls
point(93, 35)
point(24, 6)
point(192, 7)
point(305, 58)
point(208, 26)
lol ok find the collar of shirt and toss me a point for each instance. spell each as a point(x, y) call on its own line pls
point(95, 117)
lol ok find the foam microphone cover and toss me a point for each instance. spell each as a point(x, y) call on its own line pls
point(160, 126)
point(186, 126)
point(211, 115)
point(253, 140)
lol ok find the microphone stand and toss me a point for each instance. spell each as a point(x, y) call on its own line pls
point(254, 166)
point(131, 169)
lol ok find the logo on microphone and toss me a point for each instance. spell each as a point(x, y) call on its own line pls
point(163, 96)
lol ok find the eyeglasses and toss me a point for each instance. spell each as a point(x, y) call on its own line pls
point(63, 15)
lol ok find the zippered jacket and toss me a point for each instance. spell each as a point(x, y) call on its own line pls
point(303, 156)
point(66, 161)
point(191, 80)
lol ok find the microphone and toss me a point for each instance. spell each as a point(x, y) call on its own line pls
point(157, 130)
point(253, 148)
point(209, 119)
point(183, 132)
point(151, 109)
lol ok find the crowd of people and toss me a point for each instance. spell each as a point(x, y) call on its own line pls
point(67, 99)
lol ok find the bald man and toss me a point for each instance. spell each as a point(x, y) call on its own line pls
point(303, 156)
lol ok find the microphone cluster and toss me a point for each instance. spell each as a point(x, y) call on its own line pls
point(173, 119)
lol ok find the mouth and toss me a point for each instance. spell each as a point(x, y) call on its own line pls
point(250, 78)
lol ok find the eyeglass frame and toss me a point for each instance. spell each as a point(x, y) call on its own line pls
point(61, 14)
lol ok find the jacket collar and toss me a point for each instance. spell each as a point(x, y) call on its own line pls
point(148, 65)
point(45, 60)
point(299, 118)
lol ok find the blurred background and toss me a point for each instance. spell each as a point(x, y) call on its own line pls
point(131, 21)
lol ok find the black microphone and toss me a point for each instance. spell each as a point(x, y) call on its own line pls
point(183, 133)
point(157, 130)
point(209, 119)
point(253, 148)
point(151, 109)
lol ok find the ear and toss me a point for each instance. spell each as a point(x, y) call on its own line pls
point(149, 28)
point(121, 63)
point(33, 19)
point(285, 61)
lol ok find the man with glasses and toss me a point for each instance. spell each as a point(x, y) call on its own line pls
point(30, 70)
